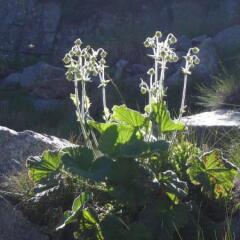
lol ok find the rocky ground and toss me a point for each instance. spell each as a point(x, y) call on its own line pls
point(15, 148)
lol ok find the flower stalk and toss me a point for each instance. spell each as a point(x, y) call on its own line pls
point(84, 63)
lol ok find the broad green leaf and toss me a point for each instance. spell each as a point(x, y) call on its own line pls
point(78, 160)
point(213, 173)
point(140, 148)
point(100, 168)
point(78, 204)
point(162, 117)
point(43, 167)
point(115, 136)
point(101, 127)
point(128, 181)
point(125, 115)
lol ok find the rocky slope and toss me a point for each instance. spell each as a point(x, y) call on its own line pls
point(15, 148)
point(46, 28)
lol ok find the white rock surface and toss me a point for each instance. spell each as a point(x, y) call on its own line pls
point(16, 147)
point(217, 118)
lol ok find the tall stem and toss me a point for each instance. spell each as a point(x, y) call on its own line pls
point(183, 97)
point(150, 92)
point(83, 101)
point(80, 117)
point(104, 90)
point(161, 81)
point(182, 107)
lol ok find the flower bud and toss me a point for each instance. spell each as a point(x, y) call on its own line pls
point(175, 58)
point(103, 54)
point(196, 60)
point(143, 90)
point(158, 34)
point(71, 53)
point(67, 59)
point(195, 50)
point(189, 58)
point(173, 40)
point(151, 71)
point(88, 48)
point(146, 44)
point(78, 42)
point(102, 61)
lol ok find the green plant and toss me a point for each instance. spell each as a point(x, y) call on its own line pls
point(137, 181)
point(223, 93)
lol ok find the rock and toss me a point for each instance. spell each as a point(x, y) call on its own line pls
point(12, 80)
point(47, 104)
point(33, 28)
point(28, 27)
point(175, 79)
point(136, 69)
point(35, 74)
point(209, 64)
point(15, 227)
point(58, 88)
point(40, 72)
point(227, 42)
point(183, 43)
point(198, 40)
point(203, 17)
point(16, 147)
point(130, 90)
point(42, 81)
point(120, 66)
point(225, 119)
point(214, 128)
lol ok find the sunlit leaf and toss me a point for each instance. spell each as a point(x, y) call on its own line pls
point(125, 115)
point(78, 159)
point(162, 117)
point(45, 166)
point(78, 204)
point(116, 136)
point(213, 173)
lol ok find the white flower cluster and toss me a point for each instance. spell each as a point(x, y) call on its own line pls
point(191, 60)
point(82, 64)
point(164, 53)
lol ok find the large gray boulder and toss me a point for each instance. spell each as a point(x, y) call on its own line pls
point(33, 75)
point(222, 119)
point(228, 42)
point(13, 226)
point(28, 27)
point(41, 80)
point(16, 147)
point(214, 127)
